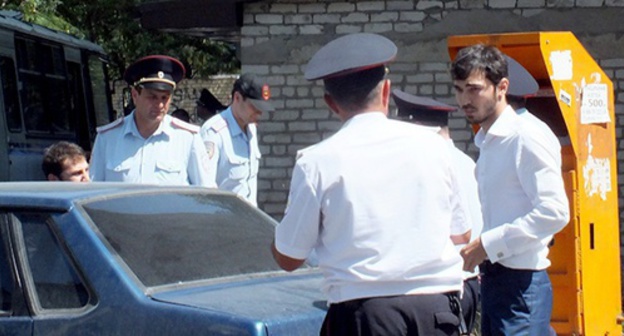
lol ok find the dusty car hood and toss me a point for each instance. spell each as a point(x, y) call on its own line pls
point(285, 302)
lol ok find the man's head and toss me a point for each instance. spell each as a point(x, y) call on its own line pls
point(479, 75)
point(65, 161)
point(208, 105)
point(250, 99)
point(353, 70)
point(153, 79)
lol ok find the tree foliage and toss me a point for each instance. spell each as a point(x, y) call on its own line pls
point(114, 25)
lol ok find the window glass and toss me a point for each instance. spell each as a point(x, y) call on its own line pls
point(98, 85)
point(56, 282)
point(179, 237)
point(44, 88)
point(6, 273)
point(9, 92)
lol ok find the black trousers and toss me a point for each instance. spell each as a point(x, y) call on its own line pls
point(424, 315)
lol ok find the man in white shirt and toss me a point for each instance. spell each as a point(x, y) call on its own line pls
point(522, 196)
point(378, 204)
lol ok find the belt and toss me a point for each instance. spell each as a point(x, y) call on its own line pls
point(489, 268)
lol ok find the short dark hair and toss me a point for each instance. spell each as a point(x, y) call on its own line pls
point(55, 155)
point(480, 57)
point(357, 90)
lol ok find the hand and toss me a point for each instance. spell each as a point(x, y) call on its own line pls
point(473, 254)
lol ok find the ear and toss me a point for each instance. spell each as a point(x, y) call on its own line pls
point(385, 94)
point(503, 87)
point(134, 93)
point(237, 97)
point(52, 177)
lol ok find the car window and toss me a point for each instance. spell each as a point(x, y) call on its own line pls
point(6, 272)
point(56, 282)
point(179, 237)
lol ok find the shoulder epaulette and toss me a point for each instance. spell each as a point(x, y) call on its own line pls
point(218, 125)
point(177, 123)
point(110, 126)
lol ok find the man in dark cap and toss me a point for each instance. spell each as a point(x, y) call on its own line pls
point(376, 203)
point(434, 115)
point(208, 105)
point(148, 145)
point(523, 198)
point(231, 138)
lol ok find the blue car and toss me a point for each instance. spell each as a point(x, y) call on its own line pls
point(122, 259)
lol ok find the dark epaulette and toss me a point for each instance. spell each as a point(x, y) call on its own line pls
point(177, 123)
point(108, 127)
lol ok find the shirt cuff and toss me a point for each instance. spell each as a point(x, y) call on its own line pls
point(494, 245)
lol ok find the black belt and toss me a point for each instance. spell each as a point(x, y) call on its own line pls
point(489, 268)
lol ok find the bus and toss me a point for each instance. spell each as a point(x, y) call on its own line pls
point(53, 87)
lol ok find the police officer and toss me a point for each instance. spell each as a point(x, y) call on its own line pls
point(207, 106)
point(148, 145)
point(231, 138)
point(375, 202)
point(435, 115)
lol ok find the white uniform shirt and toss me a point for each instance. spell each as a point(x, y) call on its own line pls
point(233, 155)
point(376, 202)
point(469, 193)
point(522, 194)
point(173, 155)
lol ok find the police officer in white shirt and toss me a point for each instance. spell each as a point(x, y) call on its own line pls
point(231, 138)
point(148, 145)
point(376, 202)
point(433, 114)
point(522, 194)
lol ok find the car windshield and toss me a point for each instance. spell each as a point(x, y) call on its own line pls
point(169, 238)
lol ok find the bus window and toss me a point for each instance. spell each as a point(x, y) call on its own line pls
point(100, 92)
point(44, 88)
point(9, 92)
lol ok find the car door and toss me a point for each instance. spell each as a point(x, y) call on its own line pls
point(55, 293)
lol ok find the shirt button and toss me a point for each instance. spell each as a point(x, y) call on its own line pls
point(500, 254)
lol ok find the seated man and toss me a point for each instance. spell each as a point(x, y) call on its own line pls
point(65, 161)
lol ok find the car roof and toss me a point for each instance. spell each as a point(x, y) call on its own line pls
point(63, 195)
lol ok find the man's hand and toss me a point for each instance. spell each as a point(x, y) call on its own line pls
point(473, 254)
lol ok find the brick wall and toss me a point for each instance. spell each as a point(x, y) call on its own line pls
point(279, 37)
